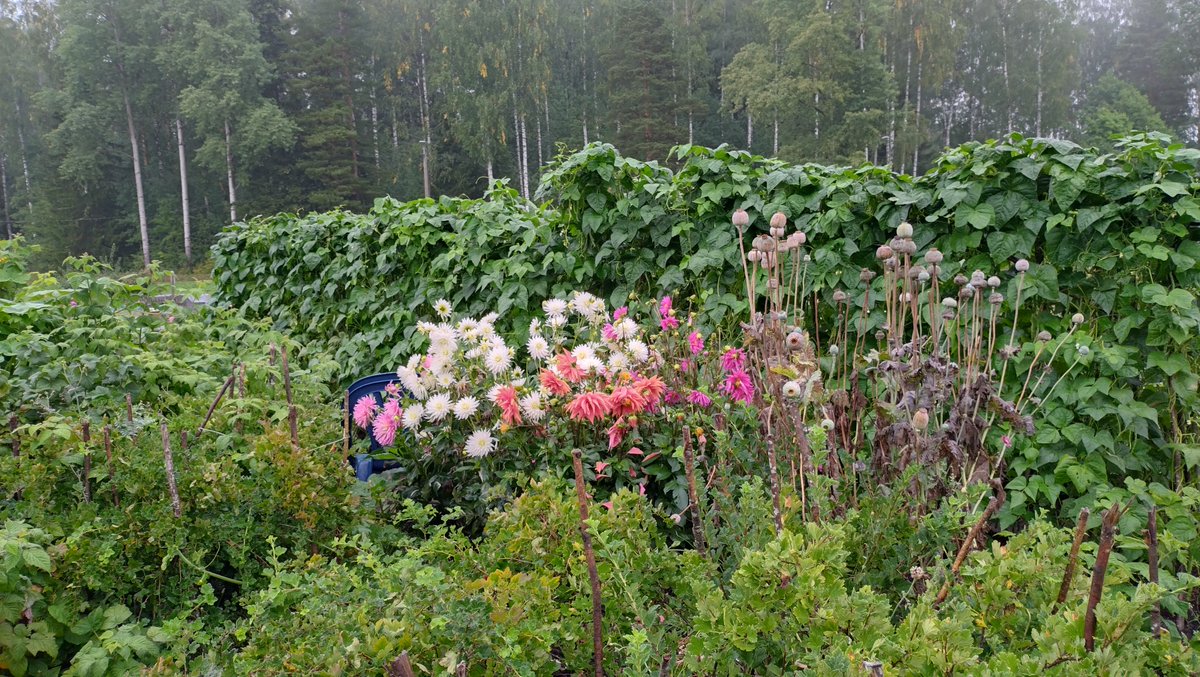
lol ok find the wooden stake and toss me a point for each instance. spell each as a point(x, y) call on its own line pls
point(213, 407)
point(693, 495)
point(777, 507)
point(129, 408)
point(1108, 532)
point(169, 462)
point(239, 377)
point(593, 575)
point(1073, 557)
point(108, 463)
point(183, 440)
point(87, 461)
point(271, 362)
point(346, 424)
point(287, 376)
point(401, 667)
point(293, 428)
point(873, 668)
point(967, 544)
point(1152, 558)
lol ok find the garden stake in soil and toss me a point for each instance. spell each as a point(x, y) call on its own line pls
point(12, 431)
point(1108, 532)
point(346, 423)
point(401, 667)
point(1073, 557)
point(129, 408)
point(1152, 561)
point(169, 462)
point(293, 427)
point(87, 461)
point(967, 544)
point(593, 575)
point(112, 480)
point(213, 407)
point(693, 496)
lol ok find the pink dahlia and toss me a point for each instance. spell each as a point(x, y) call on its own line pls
point(626, 400)
point(589, 407)
point(733, 359)
point(553, 384)
point(565, 362)
point(699, 399)
point(364, 411)
point(738, 386)
point(510, 409)
point(651, 387)
point(696, 342)
point(387, 422)
point(616, 434)
point(609, 332)
point(620, 312)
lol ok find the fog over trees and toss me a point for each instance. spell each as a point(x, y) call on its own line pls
point(136, 130)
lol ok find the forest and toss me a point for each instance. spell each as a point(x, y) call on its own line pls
point(137, 131)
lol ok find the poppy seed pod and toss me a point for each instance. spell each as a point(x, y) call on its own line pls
point(866, 276)
point(892, 263)
point(933, 256)
point(993, 282)
point(915, 272)
point(801, 238)
point(1084, 351)
point(1022, 265)
point(978, 278)
point(778, 220)
point(949, 302)
point(1043, 336)
point(948, 314)
point(884, 253)
point(904, 230)
point(960, 279)
point(996, 298)
point(923, 276)
point(967, 291)
point(795, 340)
point(768, 244)
point(753, 256)
point(920, 420)
point(776, 231)
point(834, 350)
point(741, 219)
point(839, 296)
point(1077, 318)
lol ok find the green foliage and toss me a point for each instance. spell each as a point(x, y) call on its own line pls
point(45, 627)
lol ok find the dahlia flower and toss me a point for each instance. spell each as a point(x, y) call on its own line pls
point(733, 359)
point(480, 444)
point(695, 342)
point(554, 385)
point(466, 408)
point(364, 410)
point(510, 411)
point(738, 386)
point(589, 407)
point(626, 400)
point(699, 399)
point(438, 407)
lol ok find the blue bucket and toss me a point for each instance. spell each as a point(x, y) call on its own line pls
point(374, 386)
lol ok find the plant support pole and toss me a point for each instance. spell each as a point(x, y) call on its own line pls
point(1152, 560)
point(593, 575)
point(1073, 557)
point(87, 461)
point(108, 462)
point(1108, 532)
point(169, 462)
point(693, 495)
point(992, 507)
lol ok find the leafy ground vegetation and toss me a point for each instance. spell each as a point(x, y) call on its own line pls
point(954, 432)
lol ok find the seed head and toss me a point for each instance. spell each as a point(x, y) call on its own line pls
point(741, 219)
point(776, 232)
point(1077, 318)
point(795, 340)
point(884, 253)
point(993, 282)
point(949, 302)
point(978, 278)
point(827, 424)
point(923, 276)
point(996, 298)
point(865, 276)
point(839, 296)
point(753, 256)
point(960, 279)
point(1084, 351)
point(1022, 265)
point(834, 350)
point(920, 420)
point(791, 389)
point(1044, 336)
point(778, 220)
point(933, 256)
point(904, 230)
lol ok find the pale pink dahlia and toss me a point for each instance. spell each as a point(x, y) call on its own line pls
point(364, 411)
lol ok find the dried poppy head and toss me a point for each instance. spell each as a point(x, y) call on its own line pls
point(904, 230)
point(741, 219)
point(1022, 265)
point(933, 256)
point(884, 253)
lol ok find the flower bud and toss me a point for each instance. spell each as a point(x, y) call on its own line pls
point(741, 219)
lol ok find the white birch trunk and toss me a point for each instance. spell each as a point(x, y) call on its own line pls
point(183, 193)
point(229, 174)
point(4, 195)
point(917, 136)
point(749, 130)
point(143, 224)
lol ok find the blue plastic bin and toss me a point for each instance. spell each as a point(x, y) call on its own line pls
point(374, 385)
